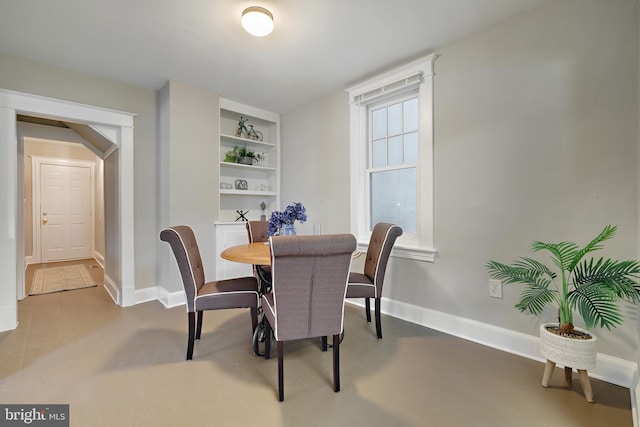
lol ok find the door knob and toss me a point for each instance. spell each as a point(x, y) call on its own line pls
point(45, 220)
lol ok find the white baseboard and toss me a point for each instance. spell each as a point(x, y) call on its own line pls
point(153, 293)
point(112, 289)
point(168, 299)
point(147, 294)
point(611, 369)
point(99, 258)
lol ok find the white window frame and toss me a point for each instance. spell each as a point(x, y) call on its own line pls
point(417, 74)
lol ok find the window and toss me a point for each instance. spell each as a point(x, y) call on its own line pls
point(391, 120)
point(393, 159)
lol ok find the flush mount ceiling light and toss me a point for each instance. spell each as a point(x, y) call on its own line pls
point(257, 21)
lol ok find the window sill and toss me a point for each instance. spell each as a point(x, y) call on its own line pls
point(407, 252)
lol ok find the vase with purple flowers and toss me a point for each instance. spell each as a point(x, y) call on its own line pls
point(283, 222)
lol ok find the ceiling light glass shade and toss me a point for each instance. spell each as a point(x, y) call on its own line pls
point(258, 21)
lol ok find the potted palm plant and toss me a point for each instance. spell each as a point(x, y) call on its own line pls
point(591, 287)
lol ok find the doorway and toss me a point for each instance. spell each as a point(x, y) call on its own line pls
point(64, 202)
point(66, 222)
point(117, 128)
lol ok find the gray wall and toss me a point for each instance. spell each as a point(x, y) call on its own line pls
point(637, 389)
point(535, 139)
point(27, 76)
point(189, 174)
point(315, 162)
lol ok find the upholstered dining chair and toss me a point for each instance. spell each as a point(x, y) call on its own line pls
point(258, 231)
point(200, 295)
point(368, 284)
point(307, 299)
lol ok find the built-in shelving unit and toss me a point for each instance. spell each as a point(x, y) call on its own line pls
point(262, 180)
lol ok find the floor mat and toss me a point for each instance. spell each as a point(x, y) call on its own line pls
point(57, 279)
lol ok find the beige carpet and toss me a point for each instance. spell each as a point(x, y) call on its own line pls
point(56, 279)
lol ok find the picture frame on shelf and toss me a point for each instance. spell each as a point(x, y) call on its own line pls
point(241, 184)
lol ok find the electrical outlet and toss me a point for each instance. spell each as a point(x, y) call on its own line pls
point(495, 288)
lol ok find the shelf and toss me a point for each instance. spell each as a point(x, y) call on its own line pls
point(248, 193)
point(262, 179)
point(242, 166)
point(249, 142)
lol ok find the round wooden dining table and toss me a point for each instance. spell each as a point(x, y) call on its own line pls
point(252, 253)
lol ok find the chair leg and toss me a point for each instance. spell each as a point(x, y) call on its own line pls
point(336, 362)
point(267, 339)
point(324, 342)
point(281, 370)
point(254, 319)
point(367, 309)
point(378, 320)
point(191, 338)
point(199, 327)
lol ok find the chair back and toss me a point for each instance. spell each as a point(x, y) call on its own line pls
point(185, 248)
point(258, 231)
point(310, 276)
point(382, 239)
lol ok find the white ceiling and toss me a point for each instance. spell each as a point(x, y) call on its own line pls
point(318, 46)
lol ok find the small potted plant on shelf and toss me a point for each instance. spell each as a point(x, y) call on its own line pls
point(230, 156)
point(243, 155)
point(255, 157)
point(591, 287)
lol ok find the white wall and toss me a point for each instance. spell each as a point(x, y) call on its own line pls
point(535, 139)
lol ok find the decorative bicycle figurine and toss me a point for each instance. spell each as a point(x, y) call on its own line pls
point(250, 133)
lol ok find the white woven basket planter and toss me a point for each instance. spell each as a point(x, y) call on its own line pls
point(568, 352)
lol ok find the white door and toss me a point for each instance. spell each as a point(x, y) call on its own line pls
point(65, 212)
